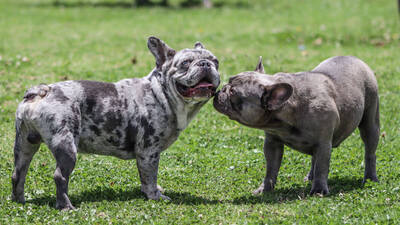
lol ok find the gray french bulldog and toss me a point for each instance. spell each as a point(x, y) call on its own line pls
point(130, 119)
point(311, 112)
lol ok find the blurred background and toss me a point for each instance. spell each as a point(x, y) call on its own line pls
point(53, 40)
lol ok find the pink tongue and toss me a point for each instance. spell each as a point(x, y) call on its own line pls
point(203, 89)
point(203, 85)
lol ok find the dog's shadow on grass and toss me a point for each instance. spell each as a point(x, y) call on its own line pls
point(100, 194)
point(282, 195)
point(97, 194)
point(299, 192)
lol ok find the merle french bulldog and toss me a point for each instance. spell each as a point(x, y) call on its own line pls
point(311, 112)
point(130, 119)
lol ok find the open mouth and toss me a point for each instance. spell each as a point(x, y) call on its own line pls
point(202, 89)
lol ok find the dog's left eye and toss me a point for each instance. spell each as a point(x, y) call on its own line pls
point(185, 63)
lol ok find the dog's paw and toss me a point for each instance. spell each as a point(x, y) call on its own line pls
point(259, 190)
point(66, 207)
point(164, 197)
point(264, 188)
point(372, 178)
point(156, 195)
point(160, 188)
point(159, 197)
point(320, 190)
point(19, 199)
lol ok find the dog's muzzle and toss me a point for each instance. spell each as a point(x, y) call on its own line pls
point(205, 87)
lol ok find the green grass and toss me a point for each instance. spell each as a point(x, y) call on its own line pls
point(211, 170)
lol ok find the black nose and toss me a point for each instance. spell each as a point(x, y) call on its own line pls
point(204, 63)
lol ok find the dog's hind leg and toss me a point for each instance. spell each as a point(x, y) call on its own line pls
point(27, 142)
point(370, 131)
point(64, 149)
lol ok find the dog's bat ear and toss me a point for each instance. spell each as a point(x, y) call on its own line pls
point(161, 51)
point(260, 67)
point(275, 95)
point(199, 45)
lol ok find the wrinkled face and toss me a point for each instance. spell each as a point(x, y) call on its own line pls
point(193, 74)
point(252, 97)
point(241, 100)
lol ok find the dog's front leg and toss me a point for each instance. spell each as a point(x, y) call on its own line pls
point(322, 156)
point(148, 168)
point(273, 152)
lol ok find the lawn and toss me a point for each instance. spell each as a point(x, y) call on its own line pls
point(211, 170)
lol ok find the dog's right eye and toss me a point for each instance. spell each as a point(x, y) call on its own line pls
point(216, 63)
